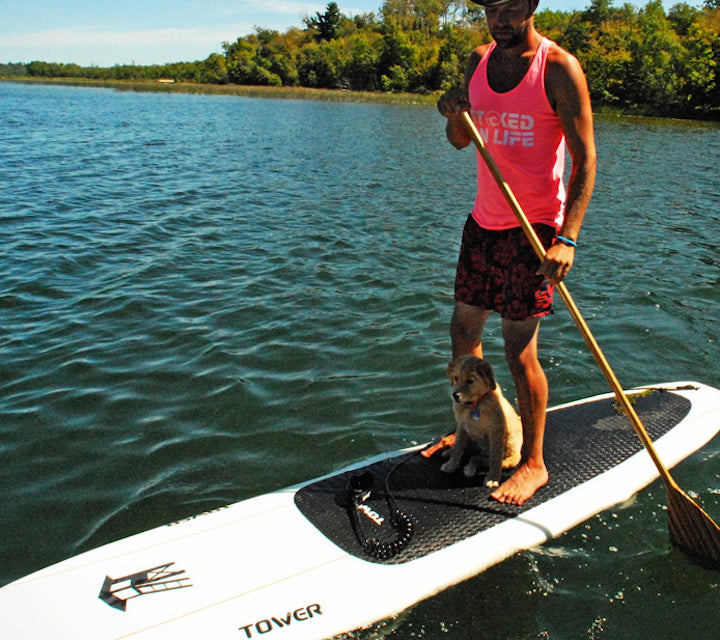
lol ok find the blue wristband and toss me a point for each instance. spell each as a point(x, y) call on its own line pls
point(567, 241)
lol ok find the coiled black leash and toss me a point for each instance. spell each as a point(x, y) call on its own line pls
point(358, 492)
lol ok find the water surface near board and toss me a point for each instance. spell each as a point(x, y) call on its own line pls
point(205, 298)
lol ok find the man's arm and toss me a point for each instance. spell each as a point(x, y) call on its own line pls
point(454, 101)
point(567, 90)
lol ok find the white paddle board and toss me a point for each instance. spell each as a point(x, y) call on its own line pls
point(337, 554)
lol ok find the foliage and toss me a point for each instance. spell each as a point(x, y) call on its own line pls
point(326, 26)
point(642, 59)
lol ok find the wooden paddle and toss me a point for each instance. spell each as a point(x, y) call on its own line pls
point(691, 529)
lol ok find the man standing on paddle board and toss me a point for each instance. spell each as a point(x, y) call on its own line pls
point(529, 99)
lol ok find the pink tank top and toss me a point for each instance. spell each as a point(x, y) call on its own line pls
point(524, 137)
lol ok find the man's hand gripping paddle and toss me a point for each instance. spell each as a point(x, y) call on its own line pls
point(691, 529)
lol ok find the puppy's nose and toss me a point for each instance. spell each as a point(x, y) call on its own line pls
point(456, 396)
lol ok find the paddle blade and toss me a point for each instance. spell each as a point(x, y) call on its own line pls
point(692, 530)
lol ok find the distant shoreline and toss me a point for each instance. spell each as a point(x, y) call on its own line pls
point(304, 93)
point(298, 93)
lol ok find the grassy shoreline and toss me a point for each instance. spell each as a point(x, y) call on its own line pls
point(298, 93)
point(329, 95)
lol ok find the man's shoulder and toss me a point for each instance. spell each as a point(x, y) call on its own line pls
point(476, 56)
point(561, 59)
point(562, 67)
point(565, 81)
point(478, 53)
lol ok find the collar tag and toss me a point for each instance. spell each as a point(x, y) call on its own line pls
point(475, 406)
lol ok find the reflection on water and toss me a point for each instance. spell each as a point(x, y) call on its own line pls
point(207, 298)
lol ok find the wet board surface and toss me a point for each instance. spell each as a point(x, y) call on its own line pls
point(294, 563)
point(582, 442)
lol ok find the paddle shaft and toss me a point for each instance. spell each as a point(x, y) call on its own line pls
point(570, 303)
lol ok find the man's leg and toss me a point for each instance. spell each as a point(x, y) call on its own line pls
point(466, 329)
point(531, 388)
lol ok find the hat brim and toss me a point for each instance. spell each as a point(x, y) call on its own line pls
point(490, 3)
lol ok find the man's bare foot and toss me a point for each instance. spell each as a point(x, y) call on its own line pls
point(522, 484)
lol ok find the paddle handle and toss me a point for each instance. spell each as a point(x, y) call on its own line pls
point(570, 303)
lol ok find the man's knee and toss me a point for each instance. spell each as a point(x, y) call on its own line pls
point(468, 315)
point(466, 328)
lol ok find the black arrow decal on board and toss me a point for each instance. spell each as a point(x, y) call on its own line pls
point(117, 591)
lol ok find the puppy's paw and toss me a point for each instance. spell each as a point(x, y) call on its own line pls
point(491, 484)
point(470, 470)
point(451, 466)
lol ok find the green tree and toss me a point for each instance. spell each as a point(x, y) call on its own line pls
point(13, 70)
point(452, 58)
point(317, 67)
point(398, 57)
point(275, 55)
point(398, 14)
point(243, 66)
point(366, 22)
point(599, 12)
point(683, 16)
point(702, 64)
point(603, 48)
point(214, 69)
point(555, 24)
point(41, 69)
point(657, 54)
point(360, 69)
point(427, 15)
point(326, 25)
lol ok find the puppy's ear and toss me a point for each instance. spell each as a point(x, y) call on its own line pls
point(483, 369)
point(450, 370)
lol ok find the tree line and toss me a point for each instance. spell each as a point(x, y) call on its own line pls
point(641, 58)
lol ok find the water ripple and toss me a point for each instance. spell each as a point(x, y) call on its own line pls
point(206, 298)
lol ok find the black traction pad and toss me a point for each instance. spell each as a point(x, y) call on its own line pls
point(581, 442)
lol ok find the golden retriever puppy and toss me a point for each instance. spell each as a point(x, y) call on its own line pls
point(488, 427)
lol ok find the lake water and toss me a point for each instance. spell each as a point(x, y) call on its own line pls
point(205, 298)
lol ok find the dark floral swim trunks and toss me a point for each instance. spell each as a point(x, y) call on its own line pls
point(497, 271)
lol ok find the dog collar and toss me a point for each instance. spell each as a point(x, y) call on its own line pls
point(475, 406)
